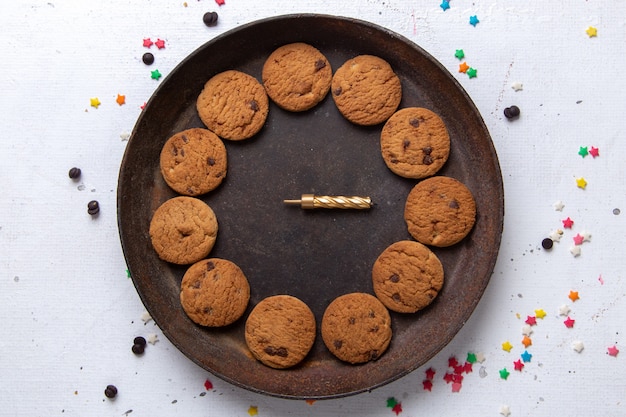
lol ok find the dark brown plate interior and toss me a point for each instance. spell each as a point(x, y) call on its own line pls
point(313, 255)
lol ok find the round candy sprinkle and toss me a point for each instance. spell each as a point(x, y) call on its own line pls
point(547, 243)
point(511, 112)
point(74, 173)
point(93, 207)
point(110, 391)
point(210, 18)
point(148, 58)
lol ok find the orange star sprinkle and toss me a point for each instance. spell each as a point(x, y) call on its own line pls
point(573, 295)
point(120, 99)
point(463, 67)
point(527, 341)
point(310, 402)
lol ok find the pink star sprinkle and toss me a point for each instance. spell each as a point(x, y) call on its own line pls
point(578, 239)
point(569, 323)
point(220, 2)
point(612, 350)
point(594, 151)
point(456, 387)
point(531, 320)
point(457, 378)
point(147, 42)
point(160, 43)
point(601, 280)
point(428, 385)
point(568, 223)
point(519, 365)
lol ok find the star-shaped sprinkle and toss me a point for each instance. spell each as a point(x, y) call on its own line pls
point(143, 106)
point(208, 385)
point(452, 362)
point(155, 75)
point(519, 365)
point(220, 2)
point(471, 357)
point(152, 338)
point(592, 32)
point(459, 53)
point(569, 323)
point(527, 341)
point(121, 100)
point(507, 346)
point(586, 236)
point(540, 313)
point(428, 385)
point(555, 235)
point(391, 402)
point(456, 386)
point(582, 151)
point(504, 374)
point(600, 279)
point(526, 356)
point(612, 350)
point(573, 295)
point(94, 102)
point(578, 239)
point(558, 205)
point(146, 317)
point(445, 5)
point(568, 223)
point(595, 152)
point(531, 320)
point(147, 42)
point(309, 401)
point(480, 357)
point(463, 67)
point(397, 408)
point(578, 346)
point(253, 410)
point(448, 377)
point(517, 86)
point(527, 330)
point(564, 310)
point(430, 373)
point(581, 183)
point(459, 369)
point(575, 251)
point(472, 72)
point(468, 367)
point(160, 43)
point(505, 410)
point(474, 20)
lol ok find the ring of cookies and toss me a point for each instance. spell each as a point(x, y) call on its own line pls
point(407, 276)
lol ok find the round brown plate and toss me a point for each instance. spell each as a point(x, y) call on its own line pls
point(313, 255)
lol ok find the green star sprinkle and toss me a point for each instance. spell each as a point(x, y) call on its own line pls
point(391, 402)
point(583, 151)
point(459, 54)
point(471, 357)
point(504, 374)
point(128, 273)
point(155, 75)
point(472, 72)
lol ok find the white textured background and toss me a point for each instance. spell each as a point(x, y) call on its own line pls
point(68, 312)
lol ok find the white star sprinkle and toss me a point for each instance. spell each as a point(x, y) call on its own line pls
point(517, 86)
point(505, 410)
point(146, 317)
point(555, 235)
point(153, 338)
point(586, 236)
point(564, 310)
point(578, 346)
point(480, 357)
point(558, 206)
point(124, 136)
point(575, 251)
point(527, 330)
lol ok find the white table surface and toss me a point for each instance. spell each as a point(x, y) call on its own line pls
point(69, 312)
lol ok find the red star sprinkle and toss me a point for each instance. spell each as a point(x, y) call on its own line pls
point(457, 378)
point(518, 365)
point(458, 370)
point(578, 239)
point(430, 373)
point(448, 377)
point(147, 42)
point(569, 323)
point(568, 223)
point(452, 362)
point(456, 387)
point(160, 43)
point(220, 2)
point(208, 385)
point(531, 320)
point(613, 350)
point(428, 385)
point(467, 367)
point(398, 407)
point(143, 106)
point(594, 151)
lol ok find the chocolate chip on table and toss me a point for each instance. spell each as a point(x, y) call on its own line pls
point(210, 18)
point(74, 173)
point(547, 243)
point(138, 349)
point(93, 207)
point(110, 391)
point(139, 340)
point(511, 112)
point(148, 58)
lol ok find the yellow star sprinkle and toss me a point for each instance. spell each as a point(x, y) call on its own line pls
point(526, 341)
point(591, 31)
point(581, 183)
point(540, 313)
point(253, 410)
point(120, 99)
point(507, 346)
point(94, 102)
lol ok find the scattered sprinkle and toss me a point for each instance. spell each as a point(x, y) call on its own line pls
point(459, 53)
point(94, 102)
point(575, 251)
point(208, 385)
point(452, 362)
point(586, 236)
point(253, 410)
point(147, 58)
point(430, 373)
point(456, 386)
point(397, 408)
point(595, 152)
point(160, 43)
point(125, 136)
point(555, 235)
point(601, 280)
point(527, 330)
point(505, 411)
point(582, 151)
point(547, 243)
point(147, 42)
point(531, 320)
point(146, 317)
point(581, 183)
point(472, 72)
point(568, 223)
point(473, 20)
point(592, 32)
point(573, 295)
point(564, 310)
point(391, 402)
point(612, 350)
point(518, 365)
point(526, 357)
point(310, 402)
point(517, 86)
point(445, 5)
point(527, 341)
point(428, 385)
point(507, 346)
point(558, 205)
point(504, 374)
point(578, 346)
point(155, 75)
point(220, 2)
point(578, 239)
point(121, 100)
point(540, 313)
point(480, 357)
point(569, 323)
point(463, 67)
point(153, 338)
point(471, 357)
